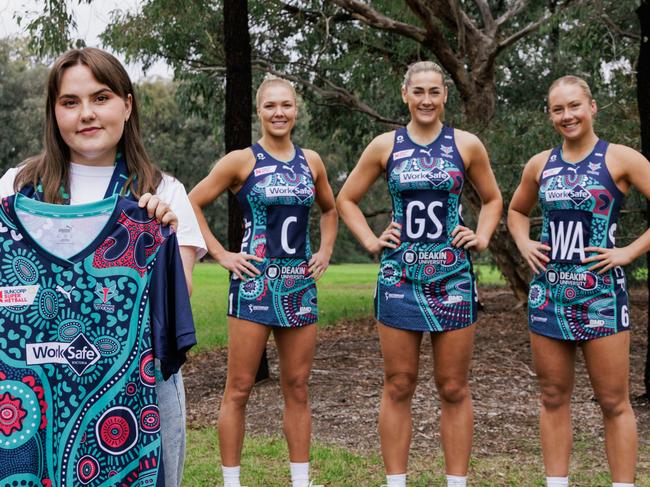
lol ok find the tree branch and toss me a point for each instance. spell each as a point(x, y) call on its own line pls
point(334, 94)
point(424, 13)
point(313, 15)
point(453, 16)
point(432, 39)
point(607, 20)
point(462, 45)
point(535, 25)
point(517, 7)
point(486, 14)
point(368, 15)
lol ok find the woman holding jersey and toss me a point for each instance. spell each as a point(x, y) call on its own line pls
point(577, 296)
point(425, 281)
point(93, 149)
point(273, 277)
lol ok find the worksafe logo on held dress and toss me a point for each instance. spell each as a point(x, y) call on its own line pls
point(78, 354)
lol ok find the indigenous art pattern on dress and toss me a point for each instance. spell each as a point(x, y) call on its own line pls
point(87, 293)
point(275, 200)
point(580, 208)
point(426, 284)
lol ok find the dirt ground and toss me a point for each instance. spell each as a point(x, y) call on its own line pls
point(347, 378)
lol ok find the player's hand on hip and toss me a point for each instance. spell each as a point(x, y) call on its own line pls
point(466, 238)
point(606, 259)
point(239, 264)
point(318, 264)
point(159, 209)
point(534, 254)
point(389, 239)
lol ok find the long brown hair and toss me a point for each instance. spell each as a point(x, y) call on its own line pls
point(51, 167)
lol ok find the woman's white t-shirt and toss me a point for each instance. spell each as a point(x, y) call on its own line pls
point(89, 183)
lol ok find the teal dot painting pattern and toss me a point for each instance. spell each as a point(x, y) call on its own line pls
point(580, 207)
point(275, 200)
point(425, 284)
point(78, 404)
point(26, 272)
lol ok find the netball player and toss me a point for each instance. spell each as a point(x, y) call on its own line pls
point(577, 296)
point(272, 288)
point(425, 283)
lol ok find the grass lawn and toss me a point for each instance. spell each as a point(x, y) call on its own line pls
point(265, 463)
point(344, 292)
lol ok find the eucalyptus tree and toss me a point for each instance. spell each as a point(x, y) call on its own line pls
point(348, 58)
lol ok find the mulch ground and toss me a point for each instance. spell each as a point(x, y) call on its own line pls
point(346, 383)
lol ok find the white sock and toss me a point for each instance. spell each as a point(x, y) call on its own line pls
point(456, 481)
point(557, 481)
point(230, 476)
point(398, 480)
point(621, 484)
point(299, 474)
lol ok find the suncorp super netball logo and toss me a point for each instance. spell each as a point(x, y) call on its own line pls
point(17, 295)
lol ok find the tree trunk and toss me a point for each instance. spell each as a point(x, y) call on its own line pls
point(478, 109)
point(239, 108)
point(504, 251)
point(643, 100)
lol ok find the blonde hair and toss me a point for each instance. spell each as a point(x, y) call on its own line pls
point(571, 80)
point(271, 80)
point(421, 67)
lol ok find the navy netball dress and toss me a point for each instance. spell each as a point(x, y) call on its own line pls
point(580, 207)
point(426, 284)
point(275, 199)
point(90, 296)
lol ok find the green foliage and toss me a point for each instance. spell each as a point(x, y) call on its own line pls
point(51, 32)
point(328, 50)
point(22, 82)
point(181, 143)
point(188, 35)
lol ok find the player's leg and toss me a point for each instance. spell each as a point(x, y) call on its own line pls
point(296, 347)
point(246, 342)
point(608, 363)
point(452, 354)
point(401, 353)
point(554, 362)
